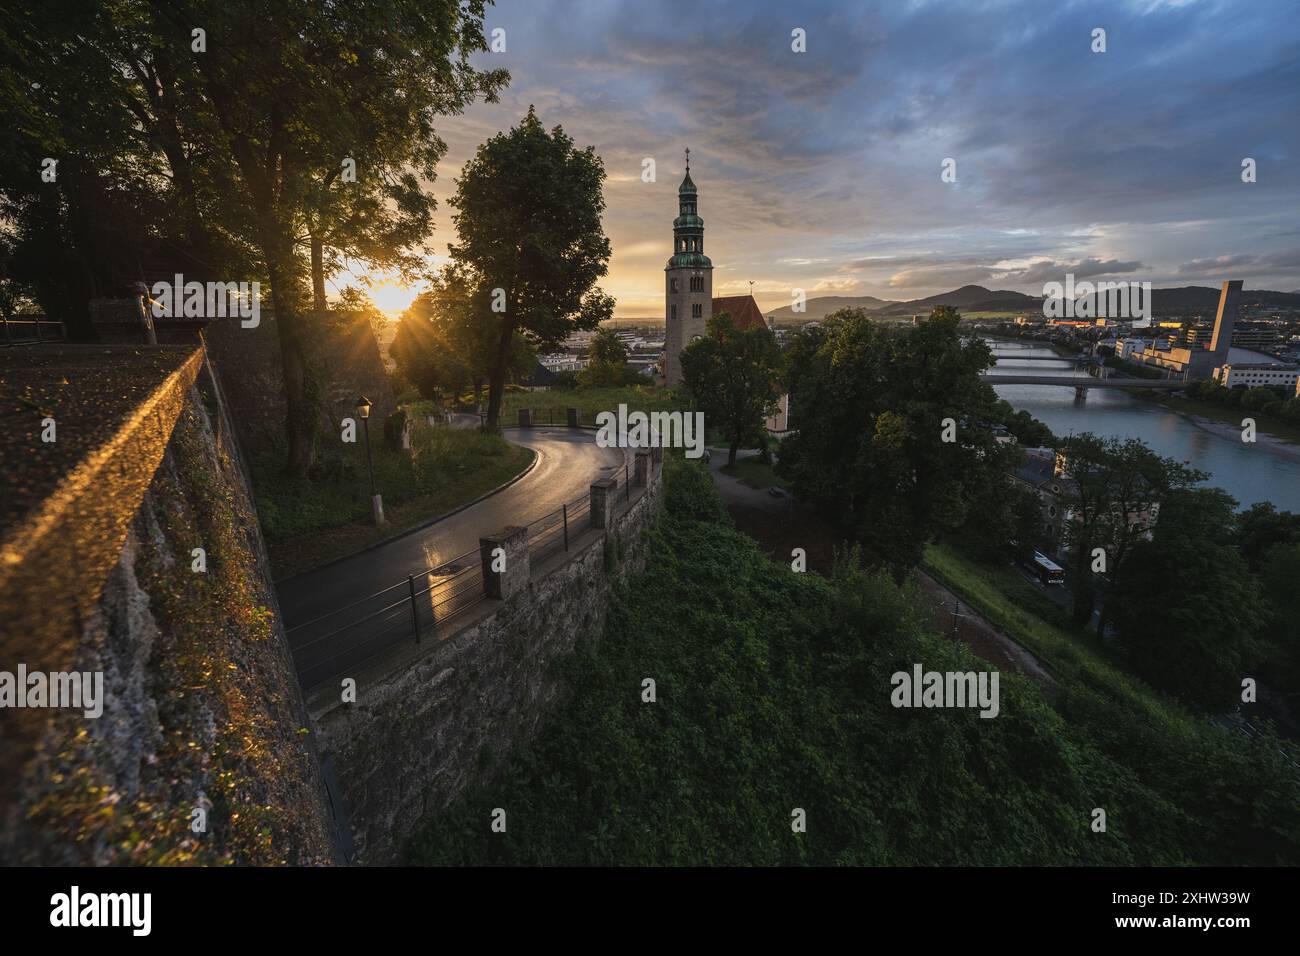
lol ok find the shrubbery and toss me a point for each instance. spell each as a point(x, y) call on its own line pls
point(773, 694)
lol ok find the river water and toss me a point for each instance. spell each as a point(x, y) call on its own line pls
point(1266, 470)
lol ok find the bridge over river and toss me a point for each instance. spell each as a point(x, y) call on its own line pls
point(1169, 384)
point(1081, 384)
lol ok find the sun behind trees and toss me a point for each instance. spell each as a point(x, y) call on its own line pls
point(275, 157)
point(446, 344)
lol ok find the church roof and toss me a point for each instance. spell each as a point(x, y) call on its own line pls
point(687, 185)
point(744, 311)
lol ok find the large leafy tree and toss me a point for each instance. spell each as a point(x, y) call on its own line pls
point(1113, 489)
point(250, 124)
point(734, 375)
point(1187, 606)
point(444, 345)
point(529, 241)
point(896, 430)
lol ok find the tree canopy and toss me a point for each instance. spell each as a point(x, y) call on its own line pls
point(529, 240)
point(896, 430)
point(321, 126)
point(734, 375)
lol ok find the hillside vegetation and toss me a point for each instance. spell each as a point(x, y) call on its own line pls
point(781, 701)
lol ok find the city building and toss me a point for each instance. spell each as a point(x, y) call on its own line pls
point(1130, 348)
point(1258, 375)
point(1193, 362)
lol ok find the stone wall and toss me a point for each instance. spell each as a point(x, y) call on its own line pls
point(418, 737)
point(347, 361)
point(202, 709)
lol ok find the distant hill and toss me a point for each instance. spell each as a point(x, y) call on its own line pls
point(971, 298)
point(823, 306)
point(975, 298)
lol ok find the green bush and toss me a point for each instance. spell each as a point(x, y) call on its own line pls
point(773, 693)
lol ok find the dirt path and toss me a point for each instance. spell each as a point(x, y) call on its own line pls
point(979, 635)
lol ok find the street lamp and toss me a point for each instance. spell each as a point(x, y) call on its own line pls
point(376, 502)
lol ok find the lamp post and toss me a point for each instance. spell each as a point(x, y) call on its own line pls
point(376, 501)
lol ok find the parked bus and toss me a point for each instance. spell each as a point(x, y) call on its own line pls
point(1048, 571)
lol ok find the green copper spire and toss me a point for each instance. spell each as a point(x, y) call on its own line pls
point(687, 187)
point(688, 228)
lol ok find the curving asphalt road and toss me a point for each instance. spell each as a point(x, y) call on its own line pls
point(567, 463)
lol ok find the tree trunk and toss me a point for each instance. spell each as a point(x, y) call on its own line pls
point(317, 273)
point(497, 378)
point(299, 385)
point(731, 454)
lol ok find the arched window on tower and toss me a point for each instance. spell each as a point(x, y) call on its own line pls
point(696, 311)
point(672, 285)
point(672, 312)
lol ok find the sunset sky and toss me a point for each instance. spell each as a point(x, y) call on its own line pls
point(821, 170)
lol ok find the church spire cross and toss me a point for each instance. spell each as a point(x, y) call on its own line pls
point(688, 159)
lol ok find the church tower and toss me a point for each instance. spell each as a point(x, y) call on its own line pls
point(688, 279)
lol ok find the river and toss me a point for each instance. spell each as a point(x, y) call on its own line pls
point(1266, 470)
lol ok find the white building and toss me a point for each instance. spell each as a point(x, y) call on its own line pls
point(1258, 375)
point(1130, 348)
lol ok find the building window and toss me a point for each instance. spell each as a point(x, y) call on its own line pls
point(672, 312)
point(672, 285)
point(696, 311)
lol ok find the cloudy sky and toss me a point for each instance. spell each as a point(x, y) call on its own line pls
point(821, 170)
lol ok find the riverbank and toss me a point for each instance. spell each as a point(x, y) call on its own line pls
point(1226, 422)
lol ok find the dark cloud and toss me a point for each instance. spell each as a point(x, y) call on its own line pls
point(823, 167)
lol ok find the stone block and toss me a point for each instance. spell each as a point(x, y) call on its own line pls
point(603, 498)
point(507, 573)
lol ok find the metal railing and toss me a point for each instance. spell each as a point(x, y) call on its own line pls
point(559, 417)
point(422, 604)
point(31, 330)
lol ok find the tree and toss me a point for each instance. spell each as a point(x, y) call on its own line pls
point(1113, 490)
point(1186, 605)
point(1027, 429)
point(444, 344)
point(896, 430)
point(607, 361)
point(1260, 527)
point(734, 376)
point(1280, 570)
point(253, 137)
point(529, 241)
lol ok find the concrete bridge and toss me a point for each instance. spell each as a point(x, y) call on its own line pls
point(1076, 359)
point(1081, 385)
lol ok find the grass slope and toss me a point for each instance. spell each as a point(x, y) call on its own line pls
point(310, 522)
